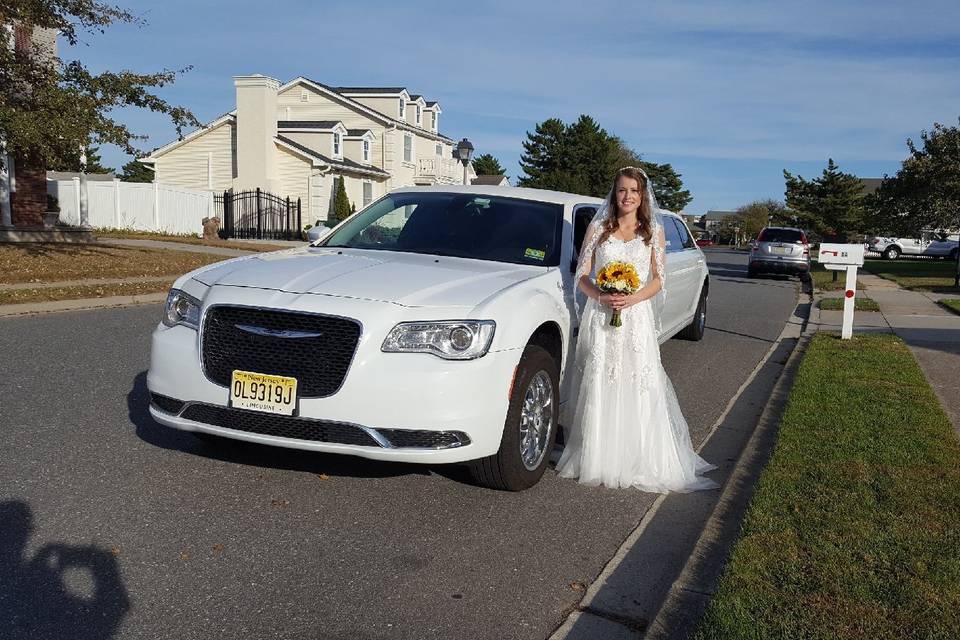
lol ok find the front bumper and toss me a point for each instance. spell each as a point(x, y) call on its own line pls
point(392, 406)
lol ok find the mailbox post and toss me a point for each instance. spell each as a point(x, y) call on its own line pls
point(844, 257)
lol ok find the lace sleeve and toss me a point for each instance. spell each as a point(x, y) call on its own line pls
point(587, 250)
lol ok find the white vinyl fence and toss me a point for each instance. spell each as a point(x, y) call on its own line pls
point(134, 205)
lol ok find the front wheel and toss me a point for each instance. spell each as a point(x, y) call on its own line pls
point(891, 253)
point(530, 429)
point(694, 331)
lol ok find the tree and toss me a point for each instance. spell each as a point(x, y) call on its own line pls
point(93, 162)
point(667, 185)
point(49, 107)
point(341, 203)
point(832, 204)
point(753, 217)
point(487, 165)
point(136, 171)
point(925, 192)
point(543, 156)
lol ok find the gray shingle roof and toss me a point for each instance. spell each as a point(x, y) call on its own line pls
point(369, 89)
point(357, 132)
point(307, 124)
point(346, 163)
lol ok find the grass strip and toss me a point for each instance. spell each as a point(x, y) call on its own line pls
point(860, 303)
point(919, 275)
point(951, 304)
point(823, 278)
point(187, 239)
point(852, 532)
point(47, 294)
point(50, 262)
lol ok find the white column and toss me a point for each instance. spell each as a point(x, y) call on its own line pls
point(76, 197)
point(84, 196)
point(156, 207)
point(116, 202)
point(850, 292)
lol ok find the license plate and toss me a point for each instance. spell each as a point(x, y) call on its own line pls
point(263, 392)
point(780, 250)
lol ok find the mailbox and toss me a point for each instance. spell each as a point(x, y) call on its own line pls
point(844, 257)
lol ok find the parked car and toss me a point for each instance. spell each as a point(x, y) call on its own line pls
point(779, 250)
point(935, 244)
point(704, 242)
point(317, 232)
point(435, 326)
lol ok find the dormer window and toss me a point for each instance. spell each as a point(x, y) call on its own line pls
point(336, 144)
point(403, 109)
point(433, 120)
point(419, 115)
point(366, 151)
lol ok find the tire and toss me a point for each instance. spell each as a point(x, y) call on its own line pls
point(507, 470)
point(751, 272)
point(694, 331)
point(891, 253)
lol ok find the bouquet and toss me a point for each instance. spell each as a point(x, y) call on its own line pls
point(618, 277)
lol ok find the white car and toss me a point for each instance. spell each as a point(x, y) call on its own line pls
point(434, 326)
point(934, 244)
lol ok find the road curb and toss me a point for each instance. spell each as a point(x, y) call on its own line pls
point(35, 308)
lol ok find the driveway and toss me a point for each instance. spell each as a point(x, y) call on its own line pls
point(113, 526)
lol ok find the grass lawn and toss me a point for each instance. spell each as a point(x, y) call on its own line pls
point(823, 278)
point(924, 275)
point(952, 304)
point(853, 530)
point(59, 262)
point(150, 235)
point(860, 303)
point(45, 294)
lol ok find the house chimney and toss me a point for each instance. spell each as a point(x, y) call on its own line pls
point(256, 130)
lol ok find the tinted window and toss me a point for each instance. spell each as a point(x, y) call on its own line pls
point(581, 220)
point(672, 234)
point(457, 224)
point(685, 238)
point(781, 235)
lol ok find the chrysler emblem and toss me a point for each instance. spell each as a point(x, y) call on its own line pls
point(276, 333)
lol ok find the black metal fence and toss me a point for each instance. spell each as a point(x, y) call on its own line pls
point(258, 214)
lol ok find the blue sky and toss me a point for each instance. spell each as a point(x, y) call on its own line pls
point(730, 93)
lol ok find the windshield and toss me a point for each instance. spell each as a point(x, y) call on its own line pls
point(463, 225)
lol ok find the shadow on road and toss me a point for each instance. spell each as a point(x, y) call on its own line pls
point(62, 591)
point(265, 456)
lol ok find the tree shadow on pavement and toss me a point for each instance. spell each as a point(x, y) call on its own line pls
point(62, 591)
point(258, 455)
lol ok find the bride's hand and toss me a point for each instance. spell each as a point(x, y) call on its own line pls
point(615, 301)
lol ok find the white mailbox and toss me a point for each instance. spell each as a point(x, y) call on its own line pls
point(844, 257)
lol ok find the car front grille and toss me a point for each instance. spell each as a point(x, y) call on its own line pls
point(166, 403)
point(279, 426)
point(313, 348)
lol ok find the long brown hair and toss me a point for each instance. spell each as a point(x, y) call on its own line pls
point(644, 215)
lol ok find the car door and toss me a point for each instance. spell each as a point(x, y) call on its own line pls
point(573, 298)
point(684, 265)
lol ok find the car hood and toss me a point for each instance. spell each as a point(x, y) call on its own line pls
point(401, 278)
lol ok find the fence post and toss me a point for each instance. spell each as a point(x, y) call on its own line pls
point(259, 215)
point(156, 206)
point(116, 202)
point(286, 233)
point(299, 224)
point(76, 197)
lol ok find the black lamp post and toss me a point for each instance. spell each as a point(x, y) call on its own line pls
point(463, 152)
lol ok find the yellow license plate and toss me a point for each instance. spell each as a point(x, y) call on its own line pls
point(263, 392)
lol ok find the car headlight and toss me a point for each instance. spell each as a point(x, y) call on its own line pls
point(181, 308)
point(449, 339)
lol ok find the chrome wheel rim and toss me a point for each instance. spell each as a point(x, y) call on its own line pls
point(536, 420)
point(702, 320)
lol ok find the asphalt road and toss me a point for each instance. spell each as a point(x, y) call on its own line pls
point(112, 526)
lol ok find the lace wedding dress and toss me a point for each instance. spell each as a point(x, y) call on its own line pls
point(624, 425)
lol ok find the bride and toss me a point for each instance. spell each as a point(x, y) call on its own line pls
point(627, 429)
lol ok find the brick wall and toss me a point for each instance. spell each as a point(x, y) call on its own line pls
point(29, 202)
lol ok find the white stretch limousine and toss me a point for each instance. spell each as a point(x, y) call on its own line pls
point(434, 326)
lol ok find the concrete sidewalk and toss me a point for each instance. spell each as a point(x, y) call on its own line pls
point(931, 332)
point(179, 246)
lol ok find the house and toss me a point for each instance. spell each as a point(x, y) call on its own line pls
point(713, 220)
point(297, 139)
point(491, 180)
point(23, 188)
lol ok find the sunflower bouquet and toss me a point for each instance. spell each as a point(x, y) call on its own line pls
point(618, 277)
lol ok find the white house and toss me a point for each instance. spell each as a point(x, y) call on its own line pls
point(294, 140)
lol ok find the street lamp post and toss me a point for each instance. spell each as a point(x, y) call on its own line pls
point(463, 152)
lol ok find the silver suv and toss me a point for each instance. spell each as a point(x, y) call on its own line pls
point(780, 250)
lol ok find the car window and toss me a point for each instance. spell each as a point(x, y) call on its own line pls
point(462, 225)
point(685, 238)
point(792, 236)
point(581, 220)
point(672, 234)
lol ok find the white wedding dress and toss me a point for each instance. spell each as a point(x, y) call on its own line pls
point(623, 423)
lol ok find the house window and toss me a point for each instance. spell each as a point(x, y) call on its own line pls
point(407, 148)
point(419, 115)
point(366, 151)
point(440, 150)
point(367, 193)
point(433, 120)
point(304, 95)
point(336, 143)
point(403, 109)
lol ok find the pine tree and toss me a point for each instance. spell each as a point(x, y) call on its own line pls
point(542, 153)
point(487, 165)
point(832, 204)
point(93, 162)
point(136, 171)
point(341, 204)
